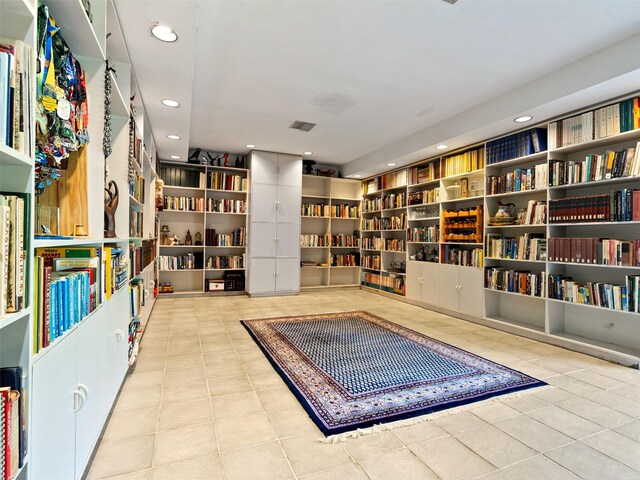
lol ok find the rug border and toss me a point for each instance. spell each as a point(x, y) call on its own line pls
point(393, 418)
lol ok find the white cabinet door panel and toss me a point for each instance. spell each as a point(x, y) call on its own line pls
point(262, 278)
point(430, 283)
point(289, 199)
point(264, 167)
point(414, 272)
point(290, 170)
point(288, 275)
point(263, 240)
point(471, 291)
point(263, 203)
point(53, 427)
point(449, 281)
point(288, 243)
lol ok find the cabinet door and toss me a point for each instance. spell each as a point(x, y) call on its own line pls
point(289, 199)
point(264, 167)
point(118, 342)
point(53, 422)
point(262, 275)
point(262, 241)
point(288, 275)
point(471, 291)
point(263, 203)
point(288, 243)
point(414, 287)
point(290, 170)
point(430, 283)
point(449, 282)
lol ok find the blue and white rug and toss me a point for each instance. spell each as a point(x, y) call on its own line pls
point(353, 370)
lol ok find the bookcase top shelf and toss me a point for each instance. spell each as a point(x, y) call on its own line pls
point(600, 142)
point(517, 161)
point(597, 183)
point(43, 243)
point(9, 156)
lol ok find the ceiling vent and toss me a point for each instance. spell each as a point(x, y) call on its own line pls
point(302, 126)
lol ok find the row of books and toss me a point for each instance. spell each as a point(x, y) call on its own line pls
point(468, 161)
point(183, 177)
point(371, 261)
point(528, 246)
point(189, 261)
point(397, 222)
point(595, 251)
point(226, 181)
point(13, 426)
point(135, 223)
point(394, 245)
point(424, 173)
point(226, 261)
point(136, 296)
point(424, 196)
point(389, 283)
point(424, 234)
point(371, 223)
point(70, 283)
point(225, 205)
point(394, 200)
point(135, 143)
point(596, 167)
point(515, 281)
point(339, 240)
point(345, 211)
point(237, 238)
point(519, 180)
point(388, 180)
point(14, 243)
point(624, 297)
point(616, 206)
point(536, 213)
point(148, 252)
point(372, 243)
point(136, 187)
point(463, 256)
point(345, 260)
point(16, 101)
point(315, 210)
point(371, 204)
point(310, 240)
point(183, 204)
point(517, 145)
point(135, 260)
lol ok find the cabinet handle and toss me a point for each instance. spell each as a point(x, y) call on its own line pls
point(78, 400)
point(274, 274)
point(83, 388)
point(277, 274)
point(119, 336)
point(152, 283)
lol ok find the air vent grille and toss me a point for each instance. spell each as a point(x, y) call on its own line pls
point(302, 126)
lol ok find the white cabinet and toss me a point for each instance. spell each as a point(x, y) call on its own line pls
point(423, 282)
point(274, 232)
point(460, 289)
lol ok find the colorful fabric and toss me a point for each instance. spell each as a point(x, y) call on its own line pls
point(353, 369)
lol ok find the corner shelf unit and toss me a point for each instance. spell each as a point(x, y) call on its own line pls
point(516, 253)
point(330, 232)
point(194, 202)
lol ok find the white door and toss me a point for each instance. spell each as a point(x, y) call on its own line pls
point(430, 282)
point(118, 343)
point(471, 291)
point(53, 422)
point(262, 241)
point(449, 282)
point(288, 243)
point(288, 275)
point(262, 275)
point(414, 286)
point(290, 170)
point(264, 203)
point(264, 167)
point(289, 199)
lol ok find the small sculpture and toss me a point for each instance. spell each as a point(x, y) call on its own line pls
point(164, 235)
point(187, 240)
point(226, 160)
point(111, 201)
point(198, 236)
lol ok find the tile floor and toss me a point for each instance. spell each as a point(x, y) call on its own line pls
point(204, 403)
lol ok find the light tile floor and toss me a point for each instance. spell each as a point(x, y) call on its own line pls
point(203, 403)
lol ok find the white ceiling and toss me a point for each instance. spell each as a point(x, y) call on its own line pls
point(383, 80)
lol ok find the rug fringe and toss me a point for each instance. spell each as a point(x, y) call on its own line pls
point(361, 432)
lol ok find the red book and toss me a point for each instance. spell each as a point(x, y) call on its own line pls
point(573, 252)
point(635, 202)
point(46, 288)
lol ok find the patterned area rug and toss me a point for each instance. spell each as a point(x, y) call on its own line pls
point(353, 370)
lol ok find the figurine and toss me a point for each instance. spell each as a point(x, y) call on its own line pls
point(226, 160)
point(187, 240)
point(159, 195)
point(198, 238)
point(164, 235)
point(111, 201)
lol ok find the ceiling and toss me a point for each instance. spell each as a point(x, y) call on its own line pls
point(383, 81)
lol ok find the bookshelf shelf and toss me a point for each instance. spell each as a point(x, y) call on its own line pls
point(182, 211)
point(611, 140)
point(394, 209)
point(345, 218)
point(223, 269)
point(225, 213)
point(517, 161)
point(609, 181)
point(497, 259)
point(371, 211)
point(188, 247)
point(425, 219)
point(593, 224)
point(183, 270)
point(184, 189)
point(426, 184)
point(119, 107)
point(134, 203)
point(494, 290)
point(23, 8)
point(80, 35)
point(423, 243)
point(594, 265)
point(605, 347)
point(458, 176)
point(519, 325)
point(9, 156)
point(216, 190)
point(537, 191)
point(14, 317)
point(517, 227)
point(315, 216)
point(424, 205)
point(461, 200)
point(601, 309)
point(228, 169)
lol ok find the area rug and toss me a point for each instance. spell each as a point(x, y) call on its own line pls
point(352, 370)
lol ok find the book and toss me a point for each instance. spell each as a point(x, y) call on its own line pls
point(12, 377)
point(9, 403)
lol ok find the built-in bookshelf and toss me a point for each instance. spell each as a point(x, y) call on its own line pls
point(203, 229)
point(330, 232)
point(558, 264)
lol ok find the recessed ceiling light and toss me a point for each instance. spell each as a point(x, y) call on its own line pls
point(391, 164)
point(248, 145)
point(164, 33)
point(357, 175)
point(175, 157)
point(442, 147)
point(174, 137)
point(524, 118)
point(308, 153)
point(170, 103)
